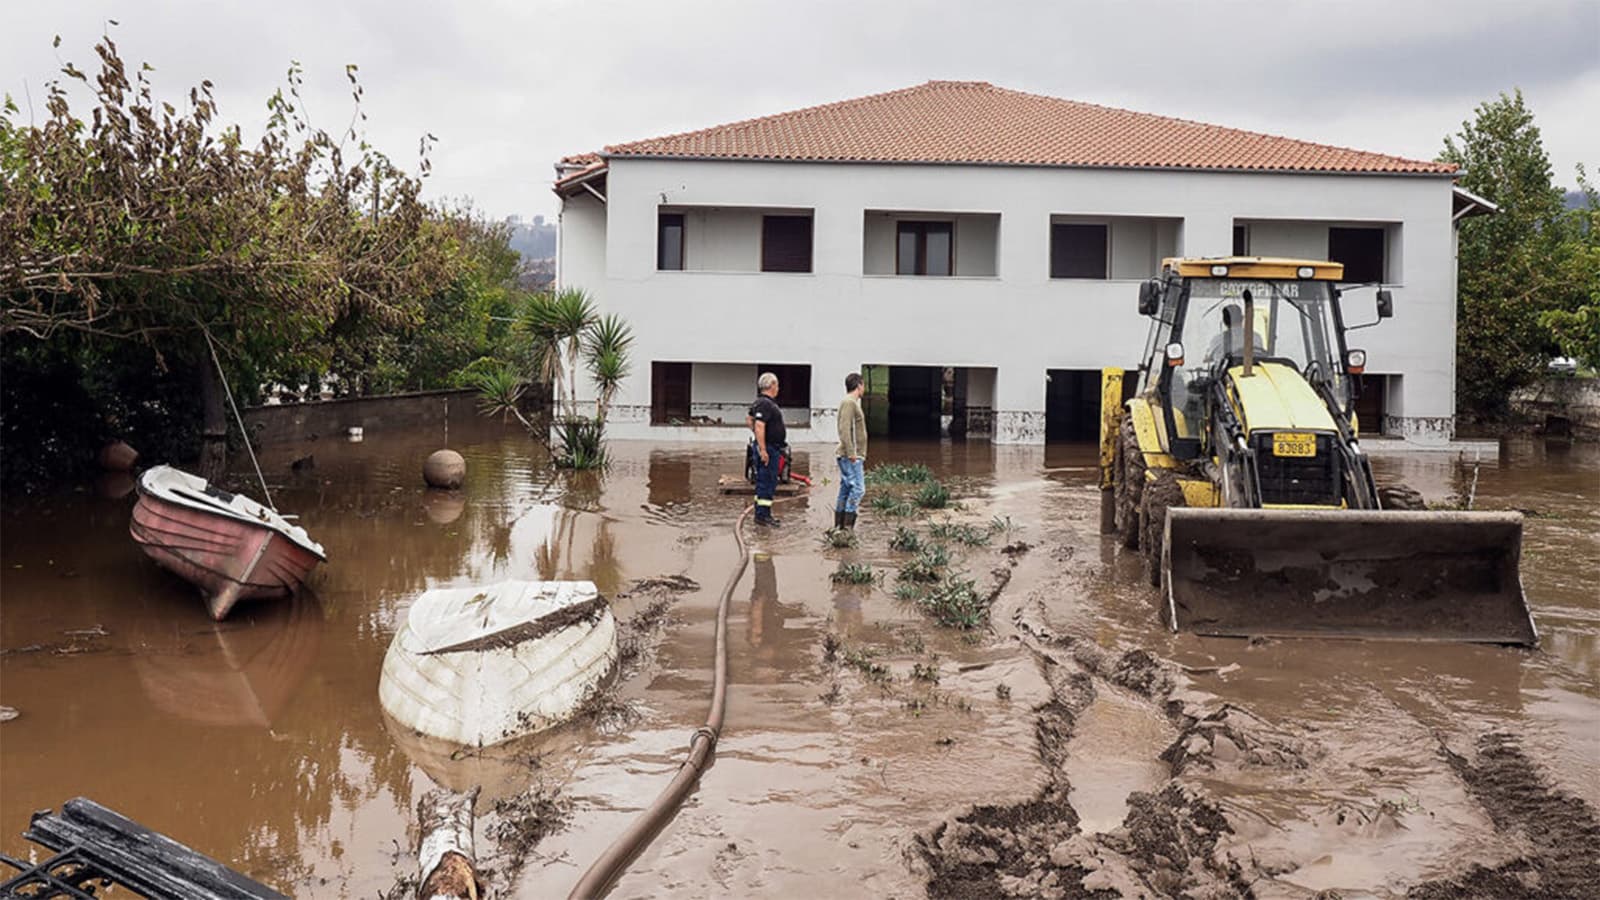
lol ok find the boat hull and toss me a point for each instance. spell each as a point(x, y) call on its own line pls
point(228, 559)
point(479, 667)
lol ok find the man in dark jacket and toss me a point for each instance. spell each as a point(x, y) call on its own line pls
point(766, 422)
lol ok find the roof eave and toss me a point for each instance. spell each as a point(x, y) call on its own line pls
point(679, 157)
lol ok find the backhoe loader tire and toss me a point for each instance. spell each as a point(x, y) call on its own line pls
point(1159, 495)
point(1128, 471)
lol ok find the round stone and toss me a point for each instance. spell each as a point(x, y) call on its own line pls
point(445, 469)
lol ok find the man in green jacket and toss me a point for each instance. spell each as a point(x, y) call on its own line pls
point(852, 453)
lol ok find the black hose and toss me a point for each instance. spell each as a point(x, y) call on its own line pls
point(610, 865)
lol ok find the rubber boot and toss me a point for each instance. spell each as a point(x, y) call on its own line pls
point(849, 521)
point(838, 519)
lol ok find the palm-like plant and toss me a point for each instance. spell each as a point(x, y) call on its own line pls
point(605, 349)
point(561, 321)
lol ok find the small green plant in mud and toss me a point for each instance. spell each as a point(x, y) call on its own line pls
point(920, 569)
point(960, 532)
point(933, 495)
point(832, 695)
point(956, 603)
point(910, 591)
point(1002, 692)
point(928, 672)
point(899, 473)
point(913, 642)
point(1002, 525)
point(915, 705)
point(890, 505)
point(905, 540)
point(853, 573)
point(839, 538)
point(862, 661)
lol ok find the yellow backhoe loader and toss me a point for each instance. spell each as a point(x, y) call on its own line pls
point(1236, 470)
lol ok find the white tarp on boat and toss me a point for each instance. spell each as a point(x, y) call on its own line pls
point(480, 665)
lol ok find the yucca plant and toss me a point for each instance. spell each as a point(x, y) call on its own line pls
point(605, 348)
point(560, 321)
point(500, 390)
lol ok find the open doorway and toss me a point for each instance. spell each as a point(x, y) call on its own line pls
point(1072, 405)
point(928, 401)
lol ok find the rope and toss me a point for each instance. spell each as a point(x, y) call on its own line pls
point(238, 418)
point(610, 865)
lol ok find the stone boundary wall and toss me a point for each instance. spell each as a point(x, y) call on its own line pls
point(1561, 405)
point(291, 422)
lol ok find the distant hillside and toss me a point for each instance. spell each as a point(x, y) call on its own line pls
point(535, 240)
point(1574, 199)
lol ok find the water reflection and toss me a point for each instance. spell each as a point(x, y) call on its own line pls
point(239, 672)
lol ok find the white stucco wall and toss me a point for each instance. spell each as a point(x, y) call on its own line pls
point(1021, 322)
point(976, 235)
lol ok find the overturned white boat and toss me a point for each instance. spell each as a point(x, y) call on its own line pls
point(482, 665)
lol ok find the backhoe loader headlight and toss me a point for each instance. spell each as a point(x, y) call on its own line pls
point(1305, 271)
point(1355, 362)
point(1219, 271)
point(1174, 354)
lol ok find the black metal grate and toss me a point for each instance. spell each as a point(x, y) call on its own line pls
point(95, 847)
point(1298, 479)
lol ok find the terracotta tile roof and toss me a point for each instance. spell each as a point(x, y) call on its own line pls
point(976, 122)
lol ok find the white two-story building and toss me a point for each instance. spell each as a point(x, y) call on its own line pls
point(976, 253)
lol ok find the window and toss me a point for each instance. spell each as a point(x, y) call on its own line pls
point(794, 384)
point(1078, 250)
point(785, 243)
point(1241, 240)
point(1361, 251)
point(925, 248)
point(669, 242)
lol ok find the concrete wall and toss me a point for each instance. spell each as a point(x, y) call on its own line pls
point(1021, 322)
point(1558, 404)
point(1309, 240)
point(332, 419)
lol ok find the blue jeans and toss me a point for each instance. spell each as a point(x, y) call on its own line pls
point(852, 483)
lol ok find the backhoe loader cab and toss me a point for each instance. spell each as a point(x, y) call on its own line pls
point(1237, 471)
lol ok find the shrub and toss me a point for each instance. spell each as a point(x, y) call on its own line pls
point(933, 495)
point(905, 540)
point(899, 473)
point(580, 443)
point(890, 505)
point(969, 535)
point(852, 573)
point(956, 603)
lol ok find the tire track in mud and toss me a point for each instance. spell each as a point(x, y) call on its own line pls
point(1562, 830)
point(1177, 840)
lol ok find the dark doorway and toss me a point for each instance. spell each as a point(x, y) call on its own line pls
point(1072, 405)
point(669, 392)
point(916, 399)
point(1372, 394)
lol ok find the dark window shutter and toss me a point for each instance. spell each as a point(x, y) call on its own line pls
point(1361, 251)
point(1077, 251)
point(785, 243)
point(1241, 241)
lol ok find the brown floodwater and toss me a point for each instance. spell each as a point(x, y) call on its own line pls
point(260, 740)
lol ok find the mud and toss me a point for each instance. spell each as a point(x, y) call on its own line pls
point(868, 751)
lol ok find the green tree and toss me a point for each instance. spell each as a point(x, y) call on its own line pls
point(145, 225)
point(1514, 266)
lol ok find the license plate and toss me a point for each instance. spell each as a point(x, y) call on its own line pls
point(1294, 443)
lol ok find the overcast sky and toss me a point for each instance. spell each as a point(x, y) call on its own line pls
point(509, 87)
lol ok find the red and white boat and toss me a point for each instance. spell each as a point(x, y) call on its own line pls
point(228, 545)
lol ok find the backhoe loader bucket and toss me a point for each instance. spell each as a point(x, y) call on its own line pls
point(1432, 576)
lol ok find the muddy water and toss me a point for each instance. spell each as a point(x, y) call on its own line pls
point(260, 741)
